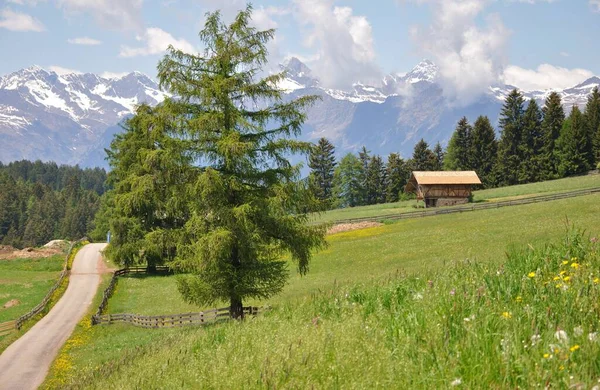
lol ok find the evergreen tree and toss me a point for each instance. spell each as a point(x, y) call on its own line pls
point(375, 183)
point(531, 145)
point(247, 205)
point(458, 152)
point(592, 123)
point(554, 117)
point(511, 125)
point(347, 189)
point(438, 151)
point(364, 158)
point(484, 150)
point(322, 163)
point(423, 158)
point(397, 175)
point(573, 145)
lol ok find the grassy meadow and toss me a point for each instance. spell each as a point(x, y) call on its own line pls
point(385, 258)
point(490, 195)
point(28, 281)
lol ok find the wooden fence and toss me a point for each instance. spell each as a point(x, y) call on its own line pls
point(108, 292)
point(172, 320)
point(471, 207)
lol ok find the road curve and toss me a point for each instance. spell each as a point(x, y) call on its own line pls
point(25, 363)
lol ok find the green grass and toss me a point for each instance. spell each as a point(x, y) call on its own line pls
point(28, 281)
point(491, 195)
point(411, 247)
point(530, 322)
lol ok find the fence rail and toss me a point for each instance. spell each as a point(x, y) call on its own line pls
point(471, 207)
point(171, 320)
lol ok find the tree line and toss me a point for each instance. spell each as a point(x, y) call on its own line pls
point(535, 144)
point(42, 201)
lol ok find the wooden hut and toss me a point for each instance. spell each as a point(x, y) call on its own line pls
point(442, 188)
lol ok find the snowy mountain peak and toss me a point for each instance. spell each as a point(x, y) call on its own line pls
point(424, 71)
point(295, 67)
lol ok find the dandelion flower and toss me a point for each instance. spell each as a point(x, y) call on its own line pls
point(546, 356)
point(531, 274)
point(575, 265)
point(596, 280)
point(563, 272)
point(574, 348)
point(507, 315)
point(519, 299)
point(567, 278)
point(565, 262)
point(556, 278)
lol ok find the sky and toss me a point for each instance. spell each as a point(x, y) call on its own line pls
point(532, 44)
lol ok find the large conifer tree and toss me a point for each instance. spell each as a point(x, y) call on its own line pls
point(573, 145)
point(554, 116)
point(484, 149)
point(592, 123)
point(348, 187)
point(322, 163)
point(458, 152)
point(423, 158)
point(375, 181)
point(511, 126)
point(397, 175)
point(531, 145)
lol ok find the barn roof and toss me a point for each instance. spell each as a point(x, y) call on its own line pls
point(441, 177)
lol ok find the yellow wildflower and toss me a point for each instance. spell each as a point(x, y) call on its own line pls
point(567, 278)
point(531, 274)
point(575, 265)
point(519, 299)
point(507, 315)
point(556, 278)
point(596, 280)
point(559, 285)
point(574, 348)
point(546, 356)
point(565, 262)
point(563, 272)
point(561, 368)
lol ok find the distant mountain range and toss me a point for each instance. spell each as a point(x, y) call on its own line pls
point(71, 118)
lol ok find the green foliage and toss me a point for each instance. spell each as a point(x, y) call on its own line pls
point(375, 181)
point(322, 164)
point(592, 122)
point(423, 158)
point(348, 188)
point(397, 175)
point(552, 124)
point(459, 152)
point(532, 142)
point(574, 145)
point(509, 152)
point(484, 149)
point(439, 157)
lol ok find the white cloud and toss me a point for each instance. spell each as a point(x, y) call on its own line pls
point(156, 41)
point(17, 21)
point(112, 14)
point(343, 42)
point(544, 77)
point(470, 57)
point(84, 41)
point(60, 70)
point(595, 5)
point(565, 54)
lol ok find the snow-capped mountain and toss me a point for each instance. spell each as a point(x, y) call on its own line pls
point(71, 118)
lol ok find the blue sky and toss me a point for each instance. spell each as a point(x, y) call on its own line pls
point(529, 43)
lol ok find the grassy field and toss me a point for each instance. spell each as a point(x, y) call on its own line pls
point(367, 257)
point(491, 195)
point(28, 281)
point(531, 322)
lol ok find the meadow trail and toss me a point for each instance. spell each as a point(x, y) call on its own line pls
point(25, 363)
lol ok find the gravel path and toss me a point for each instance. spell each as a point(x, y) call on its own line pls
point(25, 363)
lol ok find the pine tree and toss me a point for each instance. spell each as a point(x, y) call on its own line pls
point(247, 204)
point(397, 175)
point(375, 182)
point(531, 145)
point(511, 125)
point(438, 151)
point(573, 145)
point(554, 117)
point(423, 158)
point(458, 152)
point(484, 150)
point(592, 123)
point(365, 158)
point(347, 189)
point(322, 162)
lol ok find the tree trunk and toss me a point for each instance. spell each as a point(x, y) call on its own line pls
point(236, 309)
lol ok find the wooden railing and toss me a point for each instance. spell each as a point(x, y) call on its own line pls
point(108, 292)
point(471, 207)
point(172, 320)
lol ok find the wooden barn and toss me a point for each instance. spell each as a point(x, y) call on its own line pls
point(442, 188)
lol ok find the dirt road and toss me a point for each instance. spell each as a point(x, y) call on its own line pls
point(25, 363)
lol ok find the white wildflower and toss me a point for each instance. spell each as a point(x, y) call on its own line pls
point(562, 336)
point(536, 338)
point(593, 336)
point(456, 382)
point(578, 331)
point(418, 296)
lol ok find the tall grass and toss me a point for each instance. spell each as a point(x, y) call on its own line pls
point(531, 322)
